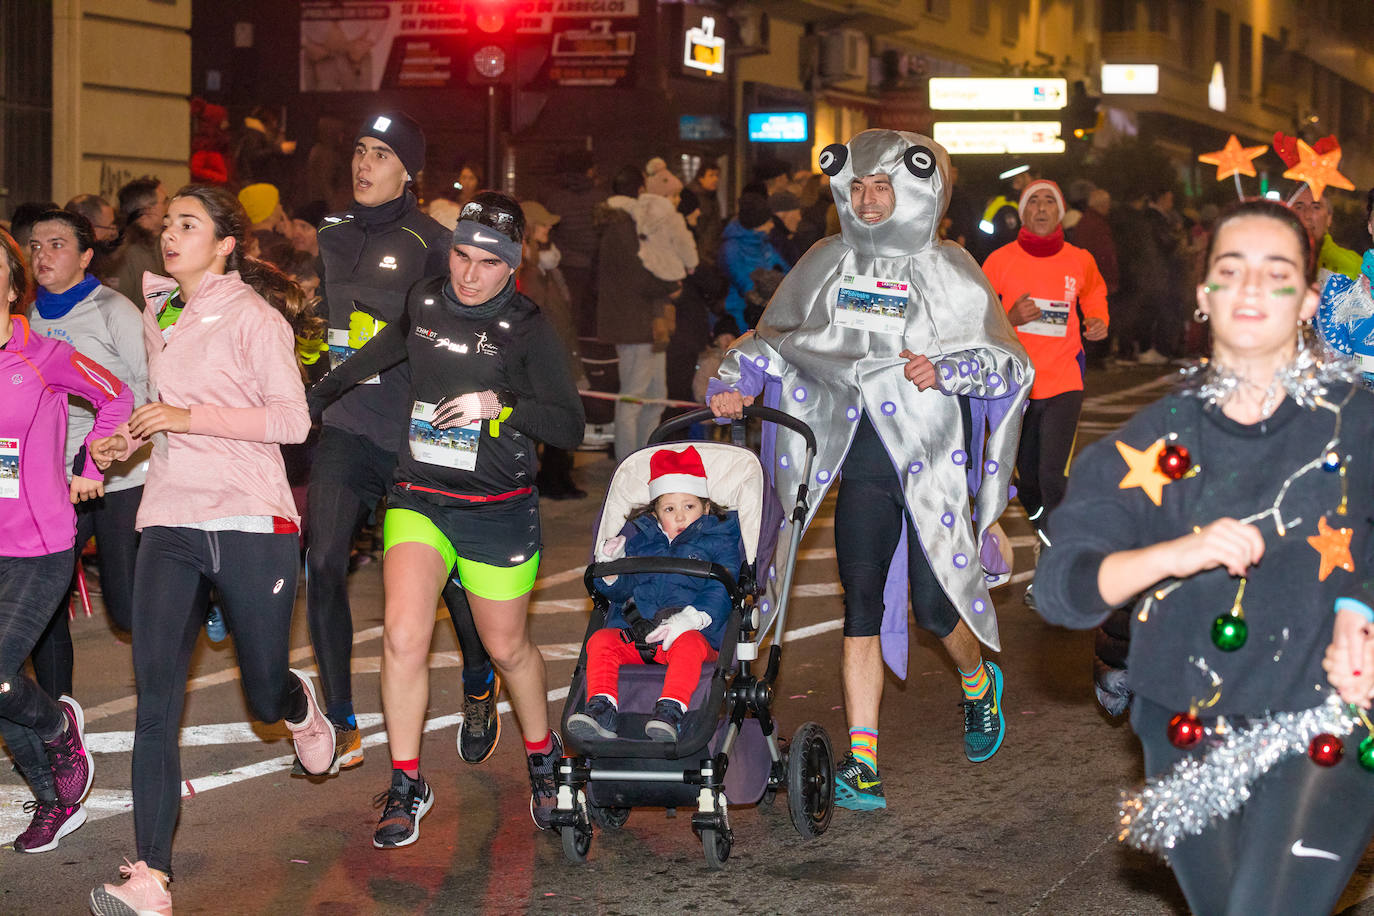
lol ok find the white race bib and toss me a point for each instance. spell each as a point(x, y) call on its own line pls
point(872, 304)
point(455, 447)
point(362, 327)
point(1053, 320)
point(9, 468)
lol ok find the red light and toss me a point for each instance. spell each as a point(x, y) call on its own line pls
point(491, 20)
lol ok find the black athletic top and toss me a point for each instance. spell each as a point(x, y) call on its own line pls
point(505, 345)
point(1287, 605)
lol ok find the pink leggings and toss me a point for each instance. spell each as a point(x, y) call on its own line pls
point(606, 652)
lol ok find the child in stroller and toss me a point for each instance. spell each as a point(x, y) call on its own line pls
point(662, 618)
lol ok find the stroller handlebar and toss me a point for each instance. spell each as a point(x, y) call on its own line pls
point(630, 565)
point(767, 414)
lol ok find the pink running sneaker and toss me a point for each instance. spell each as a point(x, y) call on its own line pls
point(51, 822)
point(72, 767)
point(314, 738)
point(143, 893)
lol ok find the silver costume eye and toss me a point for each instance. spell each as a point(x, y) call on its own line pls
point(833, 158)
point(920, 161)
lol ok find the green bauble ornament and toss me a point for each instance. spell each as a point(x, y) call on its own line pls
point(1367, 753)
point(1229, 632)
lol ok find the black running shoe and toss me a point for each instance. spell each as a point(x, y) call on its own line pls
point(402, 806)
point(481, 727)
point(666, 721)
point(543, 789)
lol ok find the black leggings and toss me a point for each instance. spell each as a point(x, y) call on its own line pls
point(255, 576)
point(348, 478)
point(869, 513)
point(110, 520)
point(1246, 864)
point(30, 588)
point(1042, 462)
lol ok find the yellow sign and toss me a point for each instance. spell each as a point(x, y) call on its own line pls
point(704, 50)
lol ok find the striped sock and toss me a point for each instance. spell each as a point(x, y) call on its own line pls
point(863, 744)
point(975, 684)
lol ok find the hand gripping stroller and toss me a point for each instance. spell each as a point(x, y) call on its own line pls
point(727, 750)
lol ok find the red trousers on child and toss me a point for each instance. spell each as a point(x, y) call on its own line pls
point(607, 651)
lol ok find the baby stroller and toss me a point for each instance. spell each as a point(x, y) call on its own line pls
point(727, 752)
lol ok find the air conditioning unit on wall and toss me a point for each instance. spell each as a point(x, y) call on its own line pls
point(844, 55)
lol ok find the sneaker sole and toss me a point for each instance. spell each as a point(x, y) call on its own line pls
point(312, 702)
point(861, 802)
point(80, 715)
point(495, 693)
point(585, 727)
point(425, 805)
point(660, 731)
point(1001, 732)
point(73, 822)
point(103, 903)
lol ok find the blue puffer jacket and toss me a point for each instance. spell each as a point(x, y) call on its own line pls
point(742, 251)
point(707, 538)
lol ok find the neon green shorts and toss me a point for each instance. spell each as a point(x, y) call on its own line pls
point(497, 583)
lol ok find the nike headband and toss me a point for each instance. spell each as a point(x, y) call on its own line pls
point(480, 235)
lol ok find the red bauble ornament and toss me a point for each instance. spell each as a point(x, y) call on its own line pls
point(1185, 730)
point(1326, 750)
point(1175, 462)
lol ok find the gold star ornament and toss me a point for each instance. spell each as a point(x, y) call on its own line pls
point(1143, 470)
point(1233, 159)
point(1318, 170)
point(1333, 544)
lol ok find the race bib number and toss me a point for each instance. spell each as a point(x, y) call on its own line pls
point(455, 447)
point(9, 468)
point(1053, 320)
point(1366, 365)
point(362, 327)
point(872, 304)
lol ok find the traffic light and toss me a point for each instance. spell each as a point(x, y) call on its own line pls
point(491, 42)
point(1081, 115)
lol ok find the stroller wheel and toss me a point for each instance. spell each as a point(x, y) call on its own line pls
point(716, 843)
point(810, 780)
point(577, 841)
point(610, 818)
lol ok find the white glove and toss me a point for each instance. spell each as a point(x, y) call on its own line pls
point(459, 411)
point(685, 620)
point(611, 549)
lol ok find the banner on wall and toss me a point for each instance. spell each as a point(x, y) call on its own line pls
point(367, 45)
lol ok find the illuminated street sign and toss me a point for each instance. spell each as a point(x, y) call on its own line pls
point(993, 137)
point(704, 50)
point(998, 94)
point(778, 127)
point(1130, 79)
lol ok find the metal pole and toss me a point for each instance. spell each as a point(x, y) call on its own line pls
point(492, 164)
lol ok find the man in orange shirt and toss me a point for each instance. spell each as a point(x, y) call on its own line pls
point(1044, 282)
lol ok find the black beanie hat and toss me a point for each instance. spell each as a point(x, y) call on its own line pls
point(753, 210)
point(402, 133)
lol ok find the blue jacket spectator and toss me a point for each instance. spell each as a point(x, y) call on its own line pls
point(744, 248)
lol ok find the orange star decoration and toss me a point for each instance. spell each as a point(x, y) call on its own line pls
point(1144, 470)
point(1334, 546)
point(1233, 159)
point(1318, 170)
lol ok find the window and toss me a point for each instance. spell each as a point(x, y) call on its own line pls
point(978, 15)
point(1157, 16)
point(1011, 21)
point(1271, 67)
point(938, 9)
point(1118, 15)
point(25, 102)
point(1222, 32)
point(1245, 62)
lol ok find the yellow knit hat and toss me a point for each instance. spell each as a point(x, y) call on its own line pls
point(259, 200)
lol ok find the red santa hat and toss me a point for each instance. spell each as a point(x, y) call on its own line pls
point(1041, 184)
point(677, 472)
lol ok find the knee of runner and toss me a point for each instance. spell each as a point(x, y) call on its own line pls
point(509, 654)
point(407, 641)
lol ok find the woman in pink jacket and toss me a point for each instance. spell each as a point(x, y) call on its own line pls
point(37, 532)
point(225, 391)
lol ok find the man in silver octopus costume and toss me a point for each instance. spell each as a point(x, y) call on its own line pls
point(945, 359)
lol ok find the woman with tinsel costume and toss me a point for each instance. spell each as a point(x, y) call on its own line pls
point(1237, 512)
point(1345, 318)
